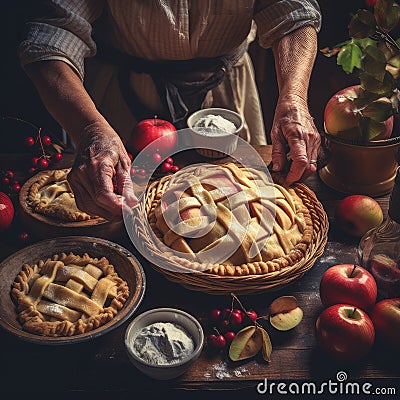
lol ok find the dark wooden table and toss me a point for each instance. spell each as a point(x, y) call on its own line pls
point(101, 367)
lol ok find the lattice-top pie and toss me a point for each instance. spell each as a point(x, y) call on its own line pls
point(52, 196)
point(232, 219)
point(68, 294)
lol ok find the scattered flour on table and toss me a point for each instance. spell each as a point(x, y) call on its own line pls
point(163, 343)
point(221, 371)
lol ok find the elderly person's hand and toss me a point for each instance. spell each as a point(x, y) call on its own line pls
point(102, 165)
point(295, 137)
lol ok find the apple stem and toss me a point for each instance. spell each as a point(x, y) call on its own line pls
point(155, 120)
point(354, 310)
point(352, 272)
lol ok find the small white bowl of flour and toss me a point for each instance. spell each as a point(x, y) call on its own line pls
point(164, 342)
point(214, 131)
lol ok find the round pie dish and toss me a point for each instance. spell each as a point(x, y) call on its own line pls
point(49, 218)
point(125, 264)
point(165, 315)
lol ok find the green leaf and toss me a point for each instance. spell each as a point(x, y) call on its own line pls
point(386, 14)
point(349, 57)
point(395, 61)
point(383, 88)
point(266, 346)
point(370, 128)
point(374, 62)
point(362, 24)
point(363, 43)
point(247, 343)
point(286, 320)
point(379, 110)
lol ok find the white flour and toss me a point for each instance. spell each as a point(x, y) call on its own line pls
point(215, 124)
point(163, 343)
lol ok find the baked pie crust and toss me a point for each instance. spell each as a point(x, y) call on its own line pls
point(275, 226)
point(52, 196)
point(68, 294)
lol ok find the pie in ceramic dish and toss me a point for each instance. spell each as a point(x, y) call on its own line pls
point(233, 220)
point(51, 195)
point(68, 294)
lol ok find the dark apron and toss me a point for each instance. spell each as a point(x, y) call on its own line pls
point(182, 85)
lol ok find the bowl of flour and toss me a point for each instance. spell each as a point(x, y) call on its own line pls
point(163, 342)
point(214, 131)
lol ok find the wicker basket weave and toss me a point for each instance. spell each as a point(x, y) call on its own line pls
point(222, 285)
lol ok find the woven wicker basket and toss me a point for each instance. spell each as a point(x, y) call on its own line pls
point(222, 285)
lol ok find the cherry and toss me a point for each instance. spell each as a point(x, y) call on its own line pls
point(29, 141)
point(31, 170)
point(130, 155)
point(46, 140)
point(5, 181)
point(157, 158)
point(169, 160)
point(217, 342)
point(226, 313)
point(43, 163)
point(166, 166)
point(58, 157)
point(215, 316)
point(236, 318)
point(229, 336)
point(35, 161)
point(175, 168)
point(252, 315)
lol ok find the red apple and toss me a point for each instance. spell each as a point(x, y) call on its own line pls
point(348, 284)
point(387, 275)
point(345, 332)
point(355, 215)
point(386, 318)
point(6, 212)
point(341, 116)
point(149, 130)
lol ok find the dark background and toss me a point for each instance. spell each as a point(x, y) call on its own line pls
point(19, 99)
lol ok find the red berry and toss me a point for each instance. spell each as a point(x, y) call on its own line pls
point(16, 187)
point(133, 171)
point(166, 167)
point(46, 140)
point(58, 157)
point(142, 172)
point(175, 168)
point(35, 161)
point(29, 141)
point(229, 336)
point(43, 163)
point(215, 316)
point(130, 156)
point(236, 318)
point(157, 158)
point(9, 174)
point(252, 315)
point(23, 237)
point(5, 181)
point(31, 170)
point(169, 160)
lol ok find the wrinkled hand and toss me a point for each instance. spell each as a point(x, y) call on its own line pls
point(102, 160)
point(294, 134)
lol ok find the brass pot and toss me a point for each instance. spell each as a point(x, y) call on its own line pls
point(354, 168)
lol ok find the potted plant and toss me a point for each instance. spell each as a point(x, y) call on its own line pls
point(359, 121)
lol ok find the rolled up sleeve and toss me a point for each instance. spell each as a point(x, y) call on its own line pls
point(65, 34)
point(277, 18)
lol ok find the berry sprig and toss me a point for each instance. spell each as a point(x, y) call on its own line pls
point(9, 184)
point(155, 160)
